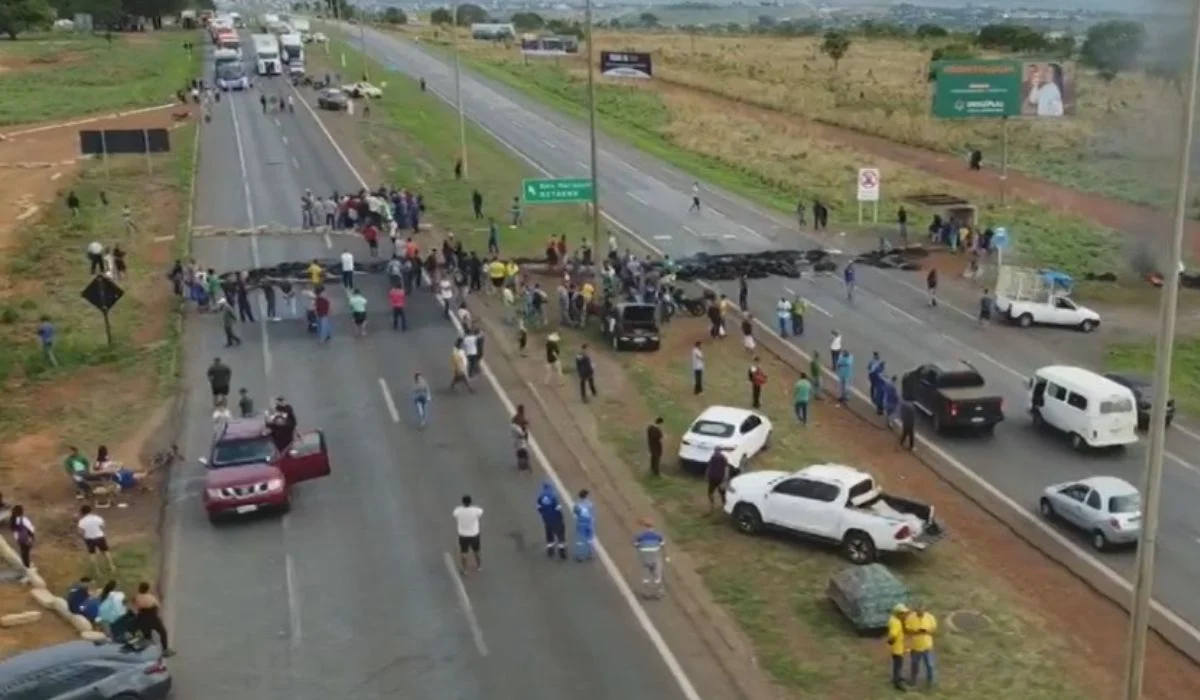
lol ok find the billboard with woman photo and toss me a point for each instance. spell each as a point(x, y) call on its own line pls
point(1047, 89)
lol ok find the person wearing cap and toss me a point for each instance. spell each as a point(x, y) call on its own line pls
point(920, 624)
point(896, 643)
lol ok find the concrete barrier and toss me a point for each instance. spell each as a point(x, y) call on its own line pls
point(22, 618)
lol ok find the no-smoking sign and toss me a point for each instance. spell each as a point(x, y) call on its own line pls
point(868, 184)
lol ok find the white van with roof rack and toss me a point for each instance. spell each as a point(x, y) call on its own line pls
point(1092, 409)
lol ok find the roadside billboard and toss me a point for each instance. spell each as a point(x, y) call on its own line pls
point(626, 64)
point(983, 89)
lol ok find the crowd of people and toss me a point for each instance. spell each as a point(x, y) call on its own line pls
point(123, 618)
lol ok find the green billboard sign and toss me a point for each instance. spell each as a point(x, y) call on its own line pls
point(563, 190)
point(1001, 88)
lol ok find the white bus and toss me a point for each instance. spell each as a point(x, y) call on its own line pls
point(266, 54)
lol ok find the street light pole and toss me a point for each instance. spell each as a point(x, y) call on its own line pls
point(462, 120)
point(1135, 662)
point(362, 50)
point(591, 76)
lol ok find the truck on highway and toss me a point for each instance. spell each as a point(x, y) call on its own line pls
point(292, 48)
point(232, 76)
point(832, 503)
point(953, 395)
point(266, 54)
point(1026, 296)
point(237, 20)
point(303, 27)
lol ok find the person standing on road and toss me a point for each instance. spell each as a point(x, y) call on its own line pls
point(875, 379)
point(268, 290)
point(347, 270)
point(654, 441)
point(920, 626)
point(459, 367)
point(241, 292)
point(896, 644)
point(835, 349)
point(229, 321)
point(219, 377)
point(477, 203)
point(908, 422)
point(986, 304)
point(585, 526)
point(931, 285)
point(466, 522)
point(471, 347)
point(849, 275)
point(397, 299)
point(783, 314)
point(716, 473)
point(845, 373)
point(697, 369)
point(421, 396)
point(553, 521)
point(586, 372)
point(801, 396)
point(799, 307)
point(91, 527)
point(695, 208)
point(262, 100)
point(322, 308)
point(358, 311)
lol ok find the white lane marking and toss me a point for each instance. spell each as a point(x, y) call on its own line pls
point(688, 230)
point(55, 176)
point(903, 313)
point(583, 164)
point(638, 199)
point(984, 355)
point(728, 236)
point(1190, 433)
point(549, 144)
point(241, 155)
point(752, 232)
point(293, 597)
point(1180, 461)
point(328, 241)
point(810, 303)
point(464, 601)
point(33, 209)
point(163, 239)
point(295, 163)
point(284, 139)
point(662, 237)
point(278, 123)
point(387, 399)
point(610, 567)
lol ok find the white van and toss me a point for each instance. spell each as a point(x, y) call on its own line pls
point(1093, 410)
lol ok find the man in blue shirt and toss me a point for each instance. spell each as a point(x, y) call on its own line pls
point(45, 334)
point(78, 594)
point(553, 521)
point(649, 544)
point(585, 526)
point(848, 275)
point(845, 370)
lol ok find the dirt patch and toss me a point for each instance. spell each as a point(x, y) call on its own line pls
point(43, 61)
point(50, 629)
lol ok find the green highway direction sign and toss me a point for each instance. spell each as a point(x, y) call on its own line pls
point(977, 89)
point(565, 190)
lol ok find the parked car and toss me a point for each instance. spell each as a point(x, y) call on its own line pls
point(1108, 509)
point(362, 89)
point(953, 395)
point(319, 37)
point(832, 503)
point(739, 433)
point(1094, 411)
point(332, 99)
point(1026, 296)
point(1143, 394)
point(100, 670)
point(247, 473)
point(632, 326)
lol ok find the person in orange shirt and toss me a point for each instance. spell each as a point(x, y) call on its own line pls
point(397, 299)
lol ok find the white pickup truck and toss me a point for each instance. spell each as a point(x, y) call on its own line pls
point(832, 503)
point(1026, 296)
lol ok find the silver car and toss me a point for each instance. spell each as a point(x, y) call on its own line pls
point(1108, 509)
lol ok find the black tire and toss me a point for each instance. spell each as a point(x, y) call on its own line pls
point(747, 519)
point(858, 548)
point(1025, 320)
point(286, 507)
point(1078, 443)
point(988, 430)
point(1046, 509)
point(215, 519)
point(1099, 541)
point(1087, 326)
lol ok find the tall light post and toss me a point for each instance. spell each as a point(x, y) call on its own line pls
point(462, 120)
point(362, 50)
point(1135, 662)
point(591, 75)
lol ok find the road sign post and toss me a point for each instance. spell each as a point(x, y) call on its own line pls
point(103, 294)
point(868, 191)
point(566, 190)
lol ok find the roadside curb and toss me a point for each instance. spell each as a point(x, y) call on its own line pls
point(41, 595)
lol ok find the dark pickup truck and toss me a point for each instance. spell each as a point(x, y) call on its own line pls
point(953, 395)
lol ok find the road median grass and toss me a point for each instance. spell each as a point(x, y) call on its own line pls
point(1138, 358)
point(771, 160)
point(58, 76)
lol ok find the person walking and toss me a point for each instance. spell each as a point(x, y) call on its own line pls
point(758, 379)
point(920, 625)
point(931, 285)
point(650, 545)
point(127, 216)
point(799, 307)
point(800, 213)
point(553, 359)
point(835, 349)
point(908, 423)
point(716, 474)
point(24, 534)
point(986, 304)
point(849, 276)
point(654, 442)
point(471, 340)
point(73, 203)
point(519, 428)
point(467, 517)
point(398, 299)
point(695, 208)
point(896, 639)
point(801, 396)
point(550, 509)
point(219, 377)
point(421, 397)
point(45, 335)
point(148, 617)
point(783, 314)
point(322, 308)
point(358, 312)
point(814, 374)
point(91, 527)
point(347, 270)
point(845, 372)
point(587, 373)
point(585, 526)
point(477, 203)
point(875, 379)
point(459, 367)
point(748, 341)
point(697, 369)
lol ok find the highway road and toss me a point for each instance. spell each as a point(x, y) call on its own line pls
point(889, 314)
point(353, 594)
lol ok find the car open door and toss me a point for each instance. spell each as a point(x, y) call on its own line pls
point(306, 458)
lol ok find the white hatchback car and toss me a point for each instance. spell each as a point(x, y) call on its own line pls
point(738, 432)
point(1107, 509)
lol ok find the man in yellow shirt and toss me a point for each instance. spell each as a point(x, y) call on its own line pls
point(920, 626)
point(588, 292)
point(497, 271)
point(316, 274)
point(895, 642)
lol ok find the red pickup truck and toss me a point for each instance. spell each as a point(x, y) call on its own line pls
point(247, 473)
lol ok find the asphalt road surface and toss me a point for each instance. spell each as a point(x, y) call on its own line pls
point(353, 594)
point(889, 312)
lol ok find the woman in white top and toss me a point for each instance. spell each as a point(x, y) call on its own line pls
point(1047, 93)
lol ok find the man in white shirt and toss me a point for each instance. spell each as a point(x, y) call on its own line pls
point(835, 349)
point(91, 526)
point(466, 520)
point(783, 311)
point(471, 348)
point(446, 295)
point(347, 271)
point(697, 369)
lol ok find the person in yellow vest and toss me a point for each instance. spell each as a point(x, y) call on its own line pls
point(921, 626)
point(896, 643)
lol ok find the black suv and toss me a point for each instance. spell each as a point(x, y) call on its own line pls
point(1143, 392)
point(99, 670)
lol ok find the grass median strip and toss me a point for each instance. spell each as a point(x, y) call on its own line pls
point(1138, 358)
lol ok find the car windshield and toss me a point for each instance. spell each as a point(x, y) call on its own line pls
point(1116, 406)
point(232, 453)
point(1129, 503)
point(710, 428)
point(230, 71)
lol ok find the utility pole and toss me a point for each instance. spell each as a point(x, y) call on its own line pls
point(1139, 618)
point(462, 120)
point(591, 77)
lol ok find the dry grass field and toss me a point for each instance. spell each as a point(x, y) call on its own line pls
point(1114, 145)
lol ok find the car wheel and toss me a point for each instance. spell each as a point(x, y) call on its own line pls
point(214, 519)
point(1087, 326)
point(747, 519)
point(1077, 442)
point(1099, 541)
point(766, 443)
point(1045, 508)
point(937, 424)
point(1025, 320)
point(858, 548)
point(286, 507)
point(988, 430)
point(742, 463)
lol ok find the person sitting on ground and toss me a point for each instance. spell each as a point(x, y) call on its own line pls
point(78, 594)
point(112, 607)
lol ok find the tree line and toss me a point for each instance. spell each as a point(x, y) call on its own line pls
point(17, 16)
